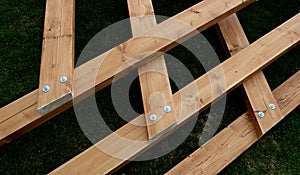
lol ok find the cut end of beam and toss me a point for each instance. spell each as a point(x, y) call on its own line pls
point(56, 103)
point(166, 130)
point(57, 61)
point(154, 79)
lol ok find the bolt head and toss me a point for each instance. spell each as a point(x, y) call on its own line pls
point(272, 106)
point(63, 79)
point(153, 117)
point(46, 88)
point(261, 114)
point(167, 109)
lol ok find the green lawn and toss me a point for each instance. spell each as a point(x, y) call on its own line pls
point(58, 140)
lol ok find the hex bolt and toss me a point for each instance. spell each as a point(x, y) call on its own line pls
point(272, 106)
point(167, 109)
point(46, 88)
point(63, 79)
point(153, 117)
point(261, 114)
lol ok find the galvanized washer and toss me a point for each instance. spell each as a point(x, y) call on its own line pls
point(153, 117)
point(167, 109)
point(261, 114)
point(46, 88)
point(63, 79)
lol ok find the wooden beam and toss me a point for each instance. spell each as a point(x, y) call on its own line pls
point(262, 103)
point(21, 104)
point(153, 76)
point(232, 141)
point(85, 83)
point(236, 69)
point(57, 63)
point(28, 118)
point(139, 50)
point(260, 96)
point(258, 91)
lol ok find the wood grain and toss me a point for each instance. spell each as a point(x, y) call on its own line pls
point(260, 97)
point(227, 145)
point(57, 54)
point(232, 141)
point(257, 89)
point(153, 76)
point(236, 69)
point(87, 84)
point(140, 50)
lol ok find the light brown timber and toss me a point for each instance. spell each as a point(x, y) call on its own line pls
point(232, 141)
point(154, 80)
point(57, 55)
point(236, 69)
point(260, 97)
point(85, 83)
point(257, 89)
point(221, 150)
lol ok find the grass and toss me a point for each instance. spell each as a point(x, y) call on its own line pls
point(58, 140)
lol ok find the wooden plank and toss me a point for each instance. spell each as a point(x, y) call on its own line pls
point(95, 161)
point(57, 55)
point(284, 39)
point(139, 50)
point(217, 153)
point(234, 40)
point(153, 76)
point(20, 104)
point(232, 141)
point(258, 91)
point(236, 69)
point(261, 97)
point(25, 118)
point(233, 34)
point(288, 90)
point(85, 83)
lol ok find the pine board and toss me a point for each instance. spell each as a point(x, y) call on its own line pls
point(257, 88)
point(57, 54)
point(85, 83)
point(153, 76)
point(227, 145)
point(236, 69)
point(232, 141)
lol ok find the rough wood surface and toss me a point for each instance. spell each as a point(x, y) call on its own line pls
point(257, 89)
point(18, 105)
point(139, 50)
point(232, 141)
point(57, 54)
point(85, 82)
point(236, 69)
point(153, 76)
point(260, 97)
point(240, 135)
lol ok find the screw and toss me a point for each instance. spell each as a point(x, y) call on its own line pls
point(153, 117)
point(167, 109)
point(272, 106)
point(261, 114)
point(63, 79)
point(46, 88)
